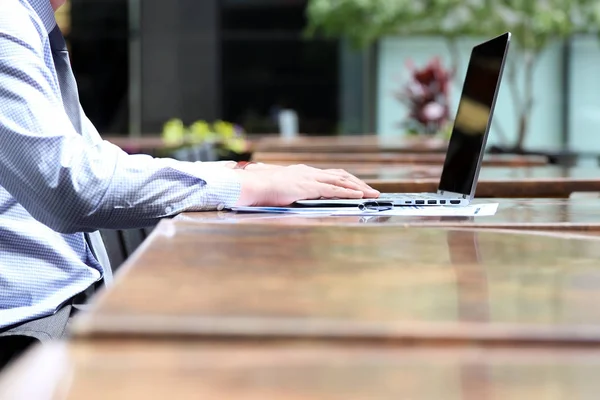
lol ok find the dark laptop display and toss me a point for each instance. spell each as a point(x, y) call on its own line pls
point(473, 117)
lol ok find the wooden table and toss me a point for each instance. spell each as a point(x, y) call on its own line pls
point(563, 215)
point(250, 371)
point(351, 283)
point(352, 144)
point(335, 160)
point(548, 181)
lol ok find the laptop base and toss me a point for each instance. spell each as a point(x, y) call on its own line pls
point(396, 199)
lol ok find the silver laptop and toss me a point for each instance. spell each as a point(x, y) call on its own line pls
point(469, 134)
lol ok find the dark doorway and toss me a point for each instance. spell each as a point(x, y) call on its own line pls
point(268, 64)
point(98, 41)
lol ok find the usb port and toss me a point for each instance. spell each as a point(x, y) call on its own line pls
point(420, 202)
point(431, 201)
point(454, 201)
point(442, 201)
point(408, 202)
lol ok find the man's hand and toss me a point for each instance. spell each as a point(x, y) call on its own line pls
point(281, 186)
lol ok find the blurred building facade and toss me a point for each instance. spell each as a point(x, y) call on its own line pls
point(140, 63)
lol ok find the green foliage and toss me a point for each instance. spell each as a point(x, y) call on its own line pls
point(221, 133)
point(174, 132)
point(533, 22)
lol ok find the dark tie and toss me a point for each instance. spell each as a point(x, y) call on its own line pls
point(66, 80)
point(70, 98)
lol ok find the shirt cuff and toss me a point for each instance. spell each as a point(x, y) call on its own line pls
point(219, 186)
point(223, 187)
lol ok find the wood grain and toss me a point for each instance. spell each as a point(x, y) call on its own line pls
point(354, 283)
point(352, 144)
point(331, 160)
point(494, 182)
point(143, 370)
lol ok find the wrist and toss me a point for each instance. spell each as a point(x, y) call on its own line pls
point(253, 188)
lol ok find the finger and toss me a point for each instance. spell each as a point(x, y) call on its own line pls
point(349, 176)
point(338, 180)
point(368, 190)
point(332, 191)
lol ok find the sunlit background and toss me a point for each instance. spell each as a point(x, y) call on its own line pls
point(142, 63)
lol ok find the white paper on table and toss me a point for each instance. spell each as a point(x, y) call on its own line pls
point(295, 210)
point(473, 210)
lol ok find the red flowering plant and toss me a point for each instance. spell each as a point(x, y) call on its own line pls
point(427, 96)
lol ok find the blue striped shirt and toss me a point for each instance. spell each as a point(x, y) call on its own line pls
point(56, 182)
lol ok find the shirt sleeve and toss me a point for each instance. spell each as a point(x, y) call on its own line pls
point(71, 184)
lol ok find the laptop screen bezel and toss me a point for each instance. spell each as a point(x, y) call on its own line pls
point(506, 39)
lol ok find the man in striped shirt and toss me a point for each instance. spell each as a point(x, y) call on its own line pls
point(60, 182)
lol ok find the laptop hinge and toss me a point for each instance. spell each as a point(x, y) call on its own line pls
point(452, 195)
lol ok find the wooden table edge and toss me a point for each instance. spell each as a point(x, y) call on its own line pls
point(289, 329)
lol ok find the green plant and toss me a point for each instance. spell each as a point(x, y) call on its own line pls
point(226, 136)
point(534, 24)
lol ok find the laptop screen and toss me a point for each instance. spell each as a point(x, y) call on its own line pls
point(473, 117)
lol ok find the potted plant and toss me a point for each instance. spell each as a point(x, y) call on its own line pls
point(227, 140)
point(534, 23)
point(426, 95)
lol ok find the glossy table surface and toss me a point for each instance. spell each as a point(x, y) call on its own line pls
point(573, 215)
point(352, 144)
point(185, 370)
point(342, 282)
point(149, 144)
point(325, 160)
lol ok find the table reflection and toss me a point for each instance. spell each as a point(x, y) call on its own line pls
point(572, 215)
point(354, 281)
point(302, 371)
